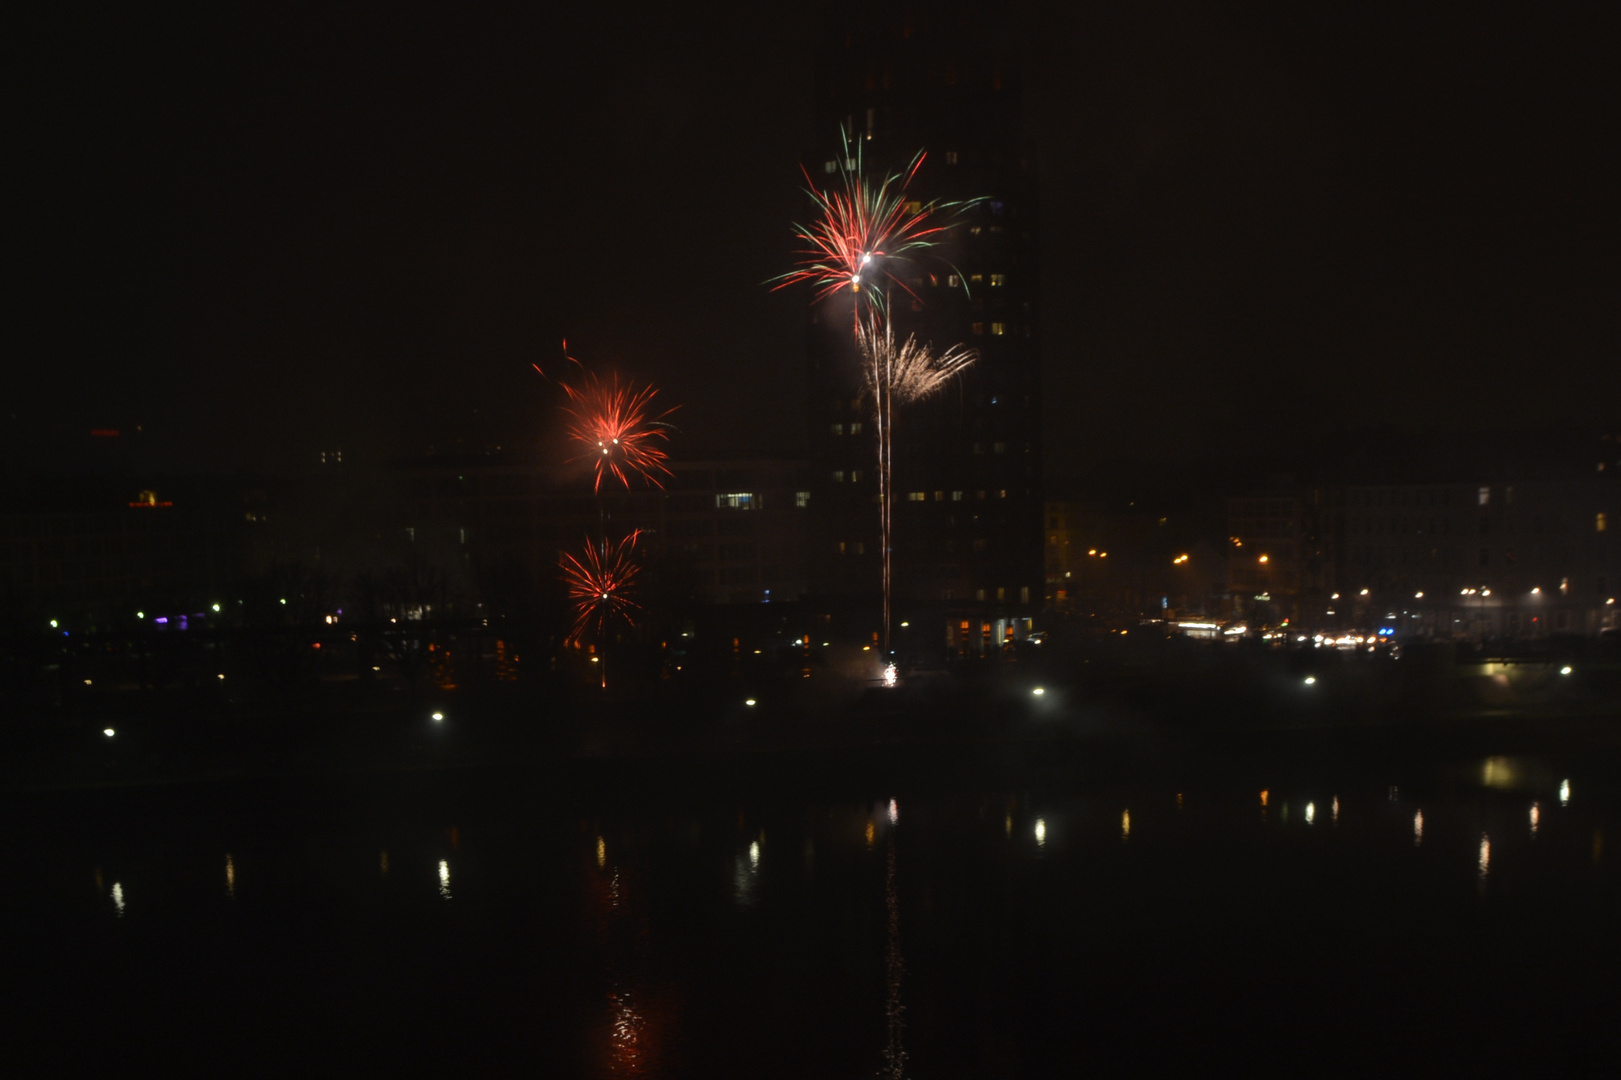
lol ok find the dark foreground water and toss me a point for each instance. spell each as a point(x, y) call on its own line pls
point(754, 918)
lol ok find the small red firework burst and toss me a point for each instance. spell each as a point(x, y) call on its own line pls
point(616, 431)
point(599, 584)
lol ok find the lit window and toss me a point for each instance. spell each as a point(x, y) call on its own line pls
point(939, 496)
point(917, 496)
point(861, 548)
point(976, 279)
point(979, 594)
point(998, 329)
point(838, 476)
point(855, 428)
point(1001, 593)
point(741, 500)
point(976, 328)
point(830, 166)
point(1485, 495)
point(841, 547)
point(1024, 594)
point(956, 496)
point(974, 230)
point(1002, 494)
point(802, 499)
point(998, 280)
point(951, 157)
point(838, 429)
point(999, 448)
point(955, 281)
point(1599, 523)
point(855, 476)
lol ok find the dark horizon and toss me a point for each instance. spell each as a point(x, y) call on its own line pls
point(261, 235)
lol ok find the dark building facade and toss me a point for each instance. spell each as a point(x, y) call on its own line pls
point(967, 510)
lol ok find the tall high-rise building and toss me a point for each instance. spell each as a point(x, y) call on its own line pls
point(967, 520)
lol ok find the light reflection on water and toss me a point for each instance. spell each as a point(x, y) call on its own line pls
point(668, 883)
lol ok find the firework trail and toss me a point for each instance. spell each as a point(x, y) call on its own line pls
point(599, 584)
point(861, 226)
point(899, 374)
point(613, 425)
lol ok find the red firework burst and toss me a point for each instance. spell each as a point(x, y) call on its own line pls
point(615, 429)
point(859, 229)
point(599, 584)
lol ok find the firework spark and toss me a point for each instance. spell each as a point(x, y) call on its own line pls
point(860, 227)
point(901, 375)
point(599, 584)
point(910, 371)
point(615, 428)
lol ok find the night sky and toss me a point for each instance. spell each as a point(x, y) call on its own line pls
point(262, 231)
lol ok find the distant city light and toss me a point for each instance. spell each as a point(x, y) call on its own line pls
point(1311, 680)
point(438, 716)
point(216, 607)
point(1038, 691)
point(1364, 592)
point(1041, 832)
point(1564, 793)
point(53, 624)
point(109, 732)
point(749, 702)
point(1418, 596)
point(1565, 670)
point(1265, 558)
point(140, 614)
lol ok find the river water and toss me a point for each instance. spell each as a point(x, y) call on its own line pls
point(1457, 917)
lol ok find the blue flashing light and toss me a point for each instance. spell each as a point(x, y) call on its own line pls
point(1386, 631)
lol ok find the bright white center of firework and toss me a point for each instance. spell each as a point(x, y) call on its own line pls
point(1038, 691)
point(438, 716)
point(108, 732)
point(866, 257)
point(749, 702)
point(890, 675)
point(605, 596)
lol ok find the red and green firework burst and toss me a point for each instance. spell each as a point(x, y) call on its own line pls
point(860, 228)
